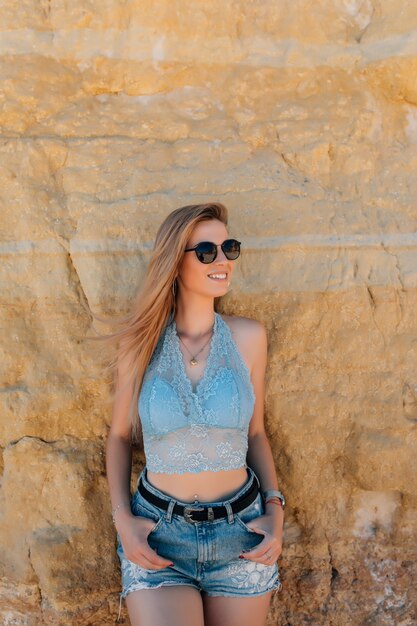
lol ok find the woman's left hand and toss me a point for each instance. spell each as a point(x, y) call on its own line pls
point(270, 547)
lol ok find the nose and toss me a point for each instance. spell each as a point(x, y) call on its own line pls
point(220, 255)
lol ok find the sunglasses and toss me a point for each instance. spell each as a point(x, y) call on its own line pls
point(206, 251)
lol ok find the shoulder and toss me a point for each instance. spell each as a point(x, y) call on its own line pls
point(250, 336)
point(245, 327)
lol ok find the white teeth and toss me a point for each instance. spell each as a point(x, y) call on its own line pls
point(217, 275)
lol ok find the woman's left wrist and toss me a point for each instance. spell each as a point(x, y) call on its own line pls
point(274, 509)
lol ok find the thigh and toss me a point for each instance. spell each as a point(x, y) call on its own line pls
point(176, 605)
point(235, 611)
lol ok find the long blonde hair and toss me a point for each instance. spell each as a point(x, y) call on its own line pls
point(154, 302)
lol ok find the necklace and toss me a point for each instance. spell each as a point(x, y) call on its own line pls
point(193, 360)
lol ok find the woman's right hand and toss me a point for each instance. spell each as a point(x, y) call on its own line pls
point(133, 531)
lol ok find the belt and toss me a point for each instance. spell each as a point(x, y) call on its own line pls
point(201, 513)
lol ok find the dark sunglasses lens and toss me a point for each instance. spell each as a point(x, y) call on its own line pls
point(231, 249)
point(206, 252)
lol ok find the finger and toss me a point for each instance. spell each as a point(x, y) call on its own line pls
point(142, 560)
point(154, 558)
point(267, 560)
point(260, 550)
point(258, 529)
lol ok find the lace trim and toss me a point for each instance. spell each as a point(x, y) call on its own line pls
point(194, 463)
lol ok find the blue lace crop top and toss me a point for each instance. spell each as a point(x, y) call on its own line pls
point(206, 428)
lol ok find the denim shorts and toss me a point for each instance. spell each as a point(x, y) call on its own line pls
point(205, 553)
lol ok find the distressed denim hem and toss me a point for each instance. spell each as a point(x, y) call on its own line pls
point(276, 588)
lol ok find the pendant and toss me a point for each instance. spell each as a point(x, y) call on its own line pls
point(193, 361)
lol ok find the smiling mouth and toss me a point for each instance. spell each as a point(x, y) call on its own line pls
point(219, 276)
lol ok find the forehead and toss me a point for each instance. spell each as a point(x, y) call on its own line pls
point(208, 230)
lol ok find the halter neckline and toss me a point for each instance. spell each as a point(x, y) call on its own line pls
point(179, 355)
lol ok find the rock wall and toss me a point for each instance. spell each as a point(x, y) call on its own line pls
point(302, 119)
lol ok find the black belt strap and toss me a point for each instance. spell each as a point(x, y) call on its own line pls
point(199, 512)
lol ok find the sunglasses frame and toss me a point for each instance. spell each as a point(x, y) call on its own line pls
point(217, 247)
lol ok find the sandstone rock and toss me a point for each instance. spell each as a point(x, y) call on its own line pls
point(303, 122)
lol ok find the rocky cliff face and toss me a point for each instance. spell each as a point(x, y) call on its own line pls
point(302, 119)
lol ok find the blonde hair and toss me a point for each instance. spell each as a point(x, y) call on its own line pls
point(154, 302)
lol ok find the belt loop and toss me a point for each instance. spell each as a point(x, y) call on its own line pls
point(171, 505)
point(230, 517)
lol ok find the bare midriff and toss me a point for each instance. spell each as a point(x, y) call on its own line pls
point(208, 486)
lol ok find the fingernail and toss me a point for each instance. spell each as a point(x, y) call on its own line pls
point(241, 557)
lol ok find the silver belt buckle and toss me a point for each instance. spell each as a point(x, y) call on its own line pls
point(188, 511)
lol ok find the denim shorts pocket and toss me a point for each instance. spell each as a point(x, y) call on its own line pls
point(141, 507)
point(251, 512)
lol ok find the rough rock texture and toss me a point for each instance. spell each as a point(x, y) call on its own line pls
point(302, 119)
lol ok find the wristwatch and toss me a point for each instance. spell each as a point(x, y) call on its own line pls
point(273, 492)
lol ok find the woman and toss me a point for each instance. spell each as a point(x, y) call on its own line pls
point(198, 528)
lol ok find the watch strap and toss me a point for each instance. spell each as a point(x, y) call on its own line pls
point(268, 493)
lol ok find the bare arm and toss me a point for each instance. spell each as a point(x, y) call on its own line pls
point(119, 467)
point(133, 529)
point(118, 448)
point(260, 456)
